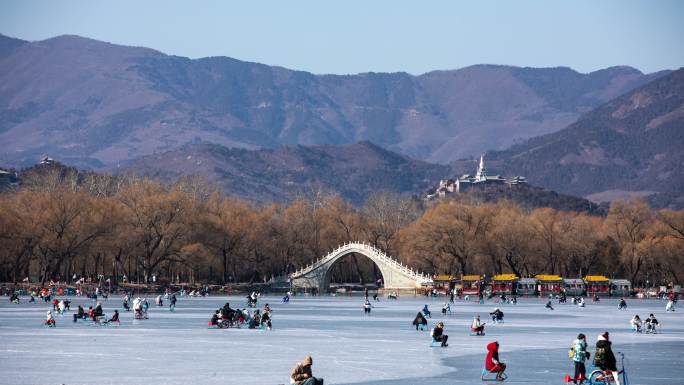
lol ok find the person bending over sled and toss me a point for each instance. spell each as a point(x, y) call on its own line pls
point(420, 321)
point(115, 317)
point(438, 334)
point(426, 311)
point(477, 326)
point(301, 373)
point(214, 321)
point(49, 320)
point(492, 363)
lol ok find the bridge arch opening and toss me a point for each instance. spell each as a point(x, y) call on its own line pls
point(353, 271)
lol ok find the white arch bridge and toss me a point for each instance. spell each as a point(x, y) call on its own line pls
point(395, 275)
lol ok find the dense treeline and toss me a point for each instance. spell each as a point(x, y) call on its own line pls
point(58, 228)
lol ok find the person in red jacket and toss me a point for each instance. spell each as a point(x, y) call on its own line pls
point(493, 364)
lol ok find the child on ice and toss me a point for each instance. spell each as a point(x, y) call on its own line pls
point(635, 323)
point(579, 355)
point(50, 321)
point(366, 307)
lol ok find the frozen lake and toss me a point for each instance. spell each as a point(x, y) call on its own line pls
point(347, 347)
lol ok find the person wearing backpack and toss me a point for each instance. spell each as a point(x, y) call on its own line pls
point(604, 358)
point(578, 353)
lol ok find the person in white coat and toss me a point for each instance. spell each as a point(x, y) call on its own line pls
point(49, 320)
point(635, 323)
point(61, 306)
point(477, 326)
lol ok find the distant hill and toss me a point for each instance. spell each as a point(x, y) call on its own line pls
point(95, 104)
point(529, 197)
point(354, 171)
point(631, 146)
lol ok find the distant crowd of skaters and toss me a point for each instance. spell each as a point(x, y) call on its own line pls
point(139, 305)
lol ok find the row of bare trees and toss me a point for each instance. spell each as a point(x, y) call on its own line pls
point(633, 241)
point(190, 233)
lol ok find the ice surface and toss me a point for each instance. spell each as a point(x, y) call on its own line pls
point(347, 347)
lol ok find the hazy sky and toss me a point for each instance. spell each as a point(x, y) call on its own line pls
point(372, 35)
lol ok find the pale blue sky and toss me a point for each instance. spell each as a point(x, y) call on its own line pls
point(383, 36)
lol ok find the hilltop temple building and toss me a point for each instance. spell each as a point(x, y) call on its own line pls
point(479, 180)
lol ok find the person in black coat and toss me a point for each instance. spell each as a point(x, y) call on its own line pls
point(80, 314)
point(97, 313)
point(604, 357)
point(438, 334)
point(420, 320)
point(651, 324)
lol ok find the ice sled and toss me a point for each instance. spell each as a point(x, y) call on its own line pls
point(488, 376)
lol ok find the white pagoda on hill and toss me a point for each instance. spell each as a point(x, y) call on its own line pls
point(479, 180)
point(467, 181)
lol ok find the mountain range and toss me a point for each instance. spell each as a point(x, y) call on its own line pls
point(628, 147)
point(95, 104)
point(269, 133)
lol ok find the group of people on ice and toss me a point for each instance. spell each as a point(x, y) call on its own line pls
point(226, 317)
point(95, 314)
point(172, 301)
point(637, 325)
point(140, 307)
point(579, 301)
point(61, 306)
point(604, 358)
